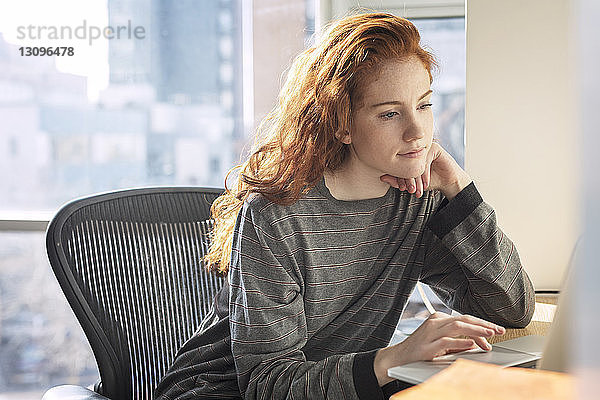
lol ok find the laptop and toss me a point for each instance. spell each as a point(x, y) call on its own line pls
point(533, 351)
point(523, 352)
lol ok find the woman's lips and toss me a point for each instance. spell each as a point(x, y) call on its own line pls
point(414, 154)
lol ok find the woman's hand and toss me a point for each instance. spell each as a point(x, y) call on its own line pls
point(437, 336)
point(442, 172)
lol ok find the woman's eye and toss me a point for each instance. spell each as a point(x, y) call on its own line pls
point(389, 115)
point(425, 106)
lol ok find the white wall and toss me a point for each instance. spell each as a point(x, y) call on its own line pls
point(522, 140)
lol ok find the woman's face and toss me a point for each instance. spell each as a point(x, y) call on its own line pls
point(393, 117)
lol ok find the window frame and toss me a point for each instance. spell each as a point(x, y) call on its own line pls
point(329, 9)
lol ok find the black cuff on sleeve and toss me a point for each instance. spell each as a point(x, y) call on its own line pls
point(394, 387)
point(365, 381)
point(453, 212)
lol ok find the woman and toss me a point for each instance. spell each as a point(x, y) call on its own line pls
point(345, 203)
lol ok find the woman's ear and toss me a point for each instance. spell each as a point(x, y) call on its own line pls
point(344, 137)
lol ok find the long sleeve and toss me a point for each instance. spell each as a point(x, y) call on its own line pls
point(268, 322)
point(473, 266)
point(317, 287)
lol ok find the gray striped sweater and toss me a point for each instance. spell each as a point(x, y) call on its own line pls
point(317, 287)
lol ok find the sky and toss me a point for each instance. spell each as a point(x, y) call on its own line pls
point(89, 60)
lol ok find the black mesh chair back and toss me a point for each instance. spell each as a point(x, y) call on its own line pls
point(130, 265)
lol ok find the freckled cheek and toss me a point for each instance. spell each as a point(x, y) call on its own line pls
point(430, 124)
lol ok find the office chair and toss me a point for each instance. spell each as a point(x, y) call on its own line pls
point(130, 265)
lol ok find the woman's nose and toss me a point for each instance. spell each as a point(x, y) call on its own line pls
point(413, 131)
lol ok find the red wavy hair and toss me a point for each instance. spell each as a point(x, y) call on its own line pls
point(296, 142)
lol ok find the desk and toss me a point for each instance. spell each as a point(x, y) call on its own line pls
point(470, 379)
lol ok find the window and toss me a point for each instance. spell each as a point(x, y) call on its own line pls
point(41, 343)
point(161, 104)
point(446, 37)
point(170, 101)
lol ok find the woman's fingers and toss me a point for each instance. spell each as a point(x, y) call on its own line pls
point(457, 327)
point(401, 183)
point(461, 350)
point(447, 345)
point(478, 321)
point(444, 319)
point(482, 342)
point(419, 190)
point(410, 185)
point(467, 325)
point(390, 180)
point(443, 334)
point(468, 319)
point(426, 177)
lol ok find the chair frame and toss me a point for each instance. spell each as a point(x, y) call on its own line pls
point(105, 355)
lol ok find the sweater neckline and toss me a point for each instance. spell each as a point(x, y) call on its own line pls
point(354, 204)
